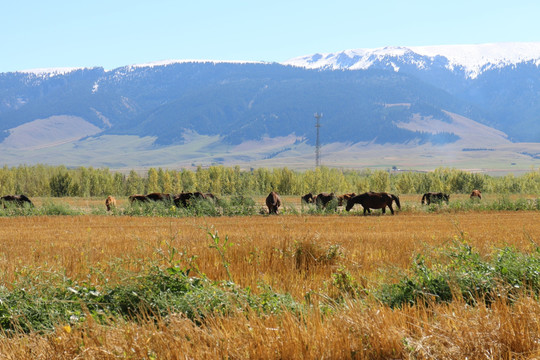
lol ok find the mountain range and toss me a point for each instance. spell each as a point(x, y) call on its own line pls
point(470, 106)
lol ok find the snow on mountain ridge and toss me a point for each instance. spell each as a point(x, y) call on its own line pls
point(474, 59)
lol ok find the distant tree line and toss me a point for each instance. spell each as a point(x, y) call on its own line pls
point(43, 180)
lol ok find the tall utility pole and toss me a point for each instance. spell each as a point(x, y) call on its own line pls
point(318, 144)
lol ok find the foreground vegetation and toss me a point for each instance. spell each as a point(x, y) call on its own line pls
point(424, 284)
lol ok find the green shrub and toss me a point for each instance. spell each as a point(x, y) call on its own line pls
point(467, 275)
point(39, 301)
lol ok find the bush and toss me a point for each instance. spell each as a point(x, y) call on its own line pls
point(468, 276)
point(40, 301)
point(238, 205)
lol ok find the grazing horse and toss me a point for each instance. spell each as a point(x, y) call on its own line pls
point(273, 202)
point(476, 194)
point(138, 198)
point(159, 197)
point(185, 199)
point(18, 200)
point(323, 199)
point(344, 198)
point(373, 200)
point(308, 199)
point(211, 197)
point(432, 197)
point(110, 203)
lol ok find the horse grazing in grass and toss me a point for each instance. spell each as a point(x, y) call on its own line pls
point(211, 197)
point(323, 199)
point(110, 203)
point(273, 202)
point(186, 199)
point(432, 197)
point(158, 197)
point(17, 200)
point(476, 194)
point(308, 199)
point(344, 198)
point(138, 198)
point(373, 200)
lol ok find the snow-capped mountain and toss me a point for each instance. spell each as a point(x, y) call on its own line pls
point(472, 60)
point(472, 98)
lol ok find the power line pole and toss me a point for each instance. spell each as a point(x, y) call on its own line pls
point(318, 144)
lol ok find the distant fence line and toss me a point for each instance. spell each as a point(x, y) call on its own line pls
point(43, 180)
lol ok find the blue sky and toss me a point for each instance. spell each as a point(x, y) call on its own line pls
point(113, 33)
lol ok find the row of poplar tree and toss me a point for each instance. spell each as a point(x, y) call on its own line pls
point(43, 180)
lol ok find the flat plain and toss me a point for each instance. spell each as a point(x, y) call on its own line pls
point(281, 252)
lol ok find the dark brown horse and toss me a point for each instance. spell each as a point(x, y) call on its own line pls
point(373, 200)
point(476, 194)
point(210, 196)
point(273, 202)
point(138, 198)
point(17, 200)
point(323, 199)
point(186, 199)
point(342, 199)
point(432, 197)
point(158, 197)
point(308, 199)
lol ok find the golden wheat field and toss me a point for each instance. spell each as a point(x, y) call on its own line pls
point(264, 249)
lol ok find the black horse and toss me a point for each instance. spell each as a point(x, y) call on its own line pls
point(159, 197)
point(308, 198)
point(186, 199)
point(432, 197)
point(17, 200)
point(373, 200)
point(138, 198)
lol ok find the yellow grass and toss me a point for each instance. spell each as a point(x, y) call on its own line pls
point(264, 249)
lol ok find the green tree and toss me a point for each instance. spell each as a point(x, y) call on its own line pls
point(152, 181)
point(134, 184)
point(59, 184)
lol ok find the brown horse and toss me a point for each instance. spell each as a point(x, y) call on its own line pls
point(186, 199)
point(344, 198)
point(432, 197)
point(308, 199)
point(323, 199)
point(273, 202)
point(373, 200)
point(138, 198)
point(110, 203)
point(476, 194)
point(17, 200)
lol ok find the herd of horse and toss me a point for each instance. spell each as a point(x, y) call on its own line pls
point(183, 199)
point(369, 200)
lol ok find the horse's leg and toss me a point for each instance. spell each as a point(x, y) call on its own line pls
point(391, 209)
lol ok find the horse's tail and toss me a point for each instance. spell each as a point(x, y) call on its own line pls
point(424, 199)
point(396, 199)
